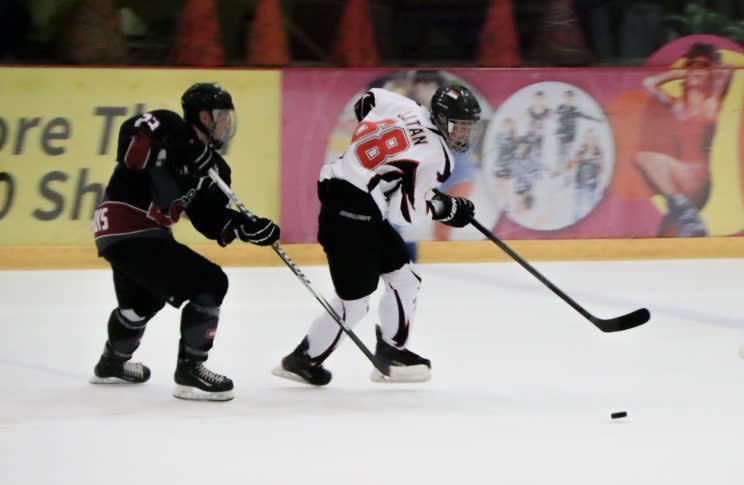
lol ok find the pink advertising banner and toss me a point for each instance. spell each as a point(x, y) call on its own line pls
point(565, 153)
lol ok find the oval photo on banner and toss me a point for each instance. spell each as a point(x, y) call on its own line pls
point(548, 155)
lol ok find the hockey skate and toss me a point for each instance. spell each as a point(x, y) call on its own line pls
point(111, 371)
point(298, 366)
point(405, 366)
point(196, 382)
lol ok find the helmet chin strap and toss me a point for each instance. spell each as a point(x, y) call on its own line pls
point(209, 132)
point(212, 140)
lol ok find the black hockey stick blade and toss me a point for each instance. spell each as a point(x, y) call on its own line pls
point(624, 322)
point(618, 324)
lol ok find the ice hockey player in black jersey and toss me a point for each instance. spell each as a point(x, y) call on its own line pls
point(398, 153)
point(161, 171)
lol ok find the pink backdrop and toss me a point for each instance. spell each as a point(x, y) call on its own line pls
point(314, 99)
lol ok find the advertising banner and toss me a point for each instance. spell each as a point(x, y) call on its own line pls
point(566, 153)
point(58, 136)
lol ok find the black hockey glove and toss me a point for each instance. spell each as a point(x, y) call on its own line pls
point(453, 211)
point(201, 159)
point(257, 230)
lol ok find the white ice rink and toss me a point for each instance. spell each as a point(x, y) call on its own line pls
point(522, 386)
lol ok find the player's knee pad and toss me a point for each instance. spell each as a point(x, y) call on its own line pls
point(398, 305)
point(217, 286)
point(199, 319)
point(325, 333)
point(125, 330)
point(351, 311)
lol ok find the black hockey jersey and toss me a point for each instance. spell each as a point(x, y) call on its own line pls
point(151, 185)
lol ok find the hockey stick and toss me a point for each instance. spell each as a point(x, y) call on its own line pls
point(617, 324)
point(381, 366)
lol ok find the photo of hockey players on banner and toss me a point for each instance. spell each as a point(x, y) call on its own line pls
point(548, 155)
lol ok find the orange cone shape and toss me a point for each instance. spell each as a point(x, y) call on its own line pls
point(199, 41)
point(560, 40)
point(355, 39)
point(267, 43)
point(499, 46)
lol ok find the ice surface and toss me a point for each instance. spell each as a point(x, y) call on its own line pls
point(522, 386)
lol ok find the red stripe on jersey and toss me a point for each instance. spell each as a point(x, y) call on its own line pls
point(138, 152)
point(113, 218)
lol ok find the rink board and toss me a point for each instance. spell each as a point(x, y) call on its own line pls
point(76, 257)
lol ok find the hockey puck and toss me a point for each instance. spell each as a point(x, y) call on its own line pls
point(618, 415)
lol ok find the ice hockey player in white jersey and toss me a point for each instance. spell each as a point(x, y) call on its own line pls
point(399, 152)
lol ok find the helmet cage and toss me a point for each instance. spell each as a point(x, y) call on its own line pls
point(456, 113)
point(459, 134)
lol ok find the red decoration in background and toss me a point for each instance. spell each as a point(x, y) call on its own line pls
point(499, 46)
point(355, 39)
point(199, 40)
point(267, 43)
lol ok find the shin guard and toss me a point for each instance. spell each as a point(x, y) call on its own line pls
point(398, 305)
point(125, 330)
point(199, 319)
point(325, 334)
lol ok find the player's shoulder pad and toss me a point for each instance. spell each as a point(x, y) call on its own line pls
point(385, 98)
point(169, 120)
point(364, 105)
point(156, 124)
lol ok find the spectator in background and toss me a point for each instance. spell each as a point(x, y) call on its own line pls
point(15, 24)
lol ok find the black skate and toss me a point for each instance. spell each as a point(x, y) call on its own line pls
point(196, 382)
point(405, 366)
point(298, 366)
point(110, 371)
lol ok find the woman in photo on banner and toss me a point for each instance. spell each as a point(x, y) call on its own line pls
point(677, 135)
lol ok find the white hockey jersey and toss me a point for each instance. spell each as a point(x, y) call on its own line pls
point(397, 155)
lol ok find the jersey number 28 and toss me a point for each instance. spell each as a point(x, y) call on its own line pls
point(378, 142)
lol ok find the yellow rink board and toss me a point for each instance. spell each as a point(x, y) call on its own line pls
point(77, 257)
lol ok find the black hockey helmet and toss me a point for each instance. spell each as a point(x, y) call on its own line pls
point(217, 101)
point(455, 112)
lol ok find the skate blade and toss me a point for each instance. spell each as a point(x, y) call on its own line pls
point(411, 373)
point(282, 372)
point(195, 394)
point(110, 380)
